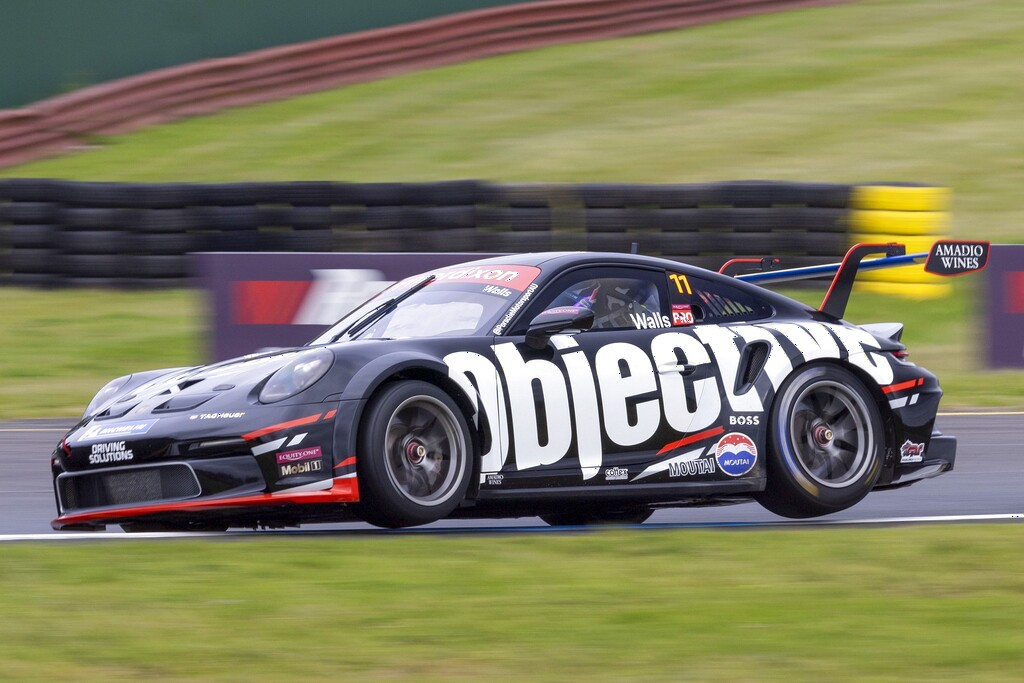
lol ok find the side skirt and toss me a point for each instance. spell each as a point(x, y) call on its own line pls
point(639, 493)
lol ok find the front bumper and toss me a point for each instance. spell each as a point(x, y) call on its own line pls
point(241, 506)
point(280, 466)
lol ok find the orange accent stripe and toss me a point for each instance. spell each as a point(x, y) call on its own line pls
point(330, 414)
point(699, 436)
point(278, 427)
point(909, 384)
point(343, 491)
point(346, 462)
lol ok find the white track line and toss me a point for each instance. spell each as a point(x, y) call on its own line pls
point(982, 413)
point(90, 536)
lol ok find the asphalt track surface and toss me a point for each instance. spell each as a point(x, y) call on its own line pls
point(988, 482)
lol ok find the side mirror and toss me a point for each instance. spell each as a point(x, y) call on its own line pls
point(555, 321)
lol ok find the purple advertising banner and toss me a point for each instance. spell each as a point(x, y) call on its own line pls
point(260, 300)
point(1004, 301)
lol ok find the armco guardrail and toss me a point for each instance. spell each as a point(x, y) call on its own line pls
point(202, 87)
point(62, 233)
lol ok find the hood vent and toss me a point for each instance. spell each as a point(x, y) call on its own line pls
point(182, 402)
point(119, 409)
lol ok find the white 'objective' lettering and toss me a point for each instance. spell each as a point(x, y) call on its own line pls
point(673, 385)
point(778, 365)
point(861, 346)
point(617, 389)
point(466, 367)
point(519, 378)
point(722, 342)
point(584, 399)
point(812, 340)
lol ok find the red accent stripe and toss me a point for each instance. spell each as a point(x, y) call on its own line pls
point(343, 491)
point(330, 414)
point(346, 462)
point(699, 436)
point(909, 384)
point(282, 425)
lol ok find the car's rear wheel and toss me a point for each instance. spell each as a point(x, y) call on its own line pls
point(598, 515)
point(826, 443)
point(414, 460)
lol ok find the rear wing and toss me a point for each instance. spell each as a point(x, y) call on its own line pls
point(945, 258)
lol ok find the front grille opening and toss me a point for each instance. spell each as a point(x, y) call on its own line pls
point(127, 486)
point(215, 447)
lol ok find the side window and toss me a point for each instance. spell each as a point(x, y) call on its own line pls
point(697, 300)
point(621, 298)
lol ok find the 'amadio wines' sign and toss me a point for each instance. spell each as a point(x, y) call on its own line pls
point(959, 257)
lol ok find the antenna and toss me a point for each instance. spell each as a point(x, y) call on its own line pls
point(634, 248)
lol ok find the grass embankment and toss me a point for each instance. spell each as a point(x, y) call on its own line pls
point(904, 90)
point(808, 605)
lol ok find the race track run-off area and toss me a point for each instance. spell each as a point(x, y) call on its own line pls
point(987, 485)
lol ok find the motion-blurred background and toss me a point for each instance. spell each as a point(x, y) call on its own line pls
point(552, 128)
point(135, 133)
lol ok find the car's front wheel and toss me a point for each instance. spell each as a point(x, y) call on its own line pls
point(414, 461)
point(826, 443)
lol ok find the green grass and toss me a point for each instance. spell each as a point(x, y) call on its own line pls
point(937, 604)
point(59, 348)
point(903, 90)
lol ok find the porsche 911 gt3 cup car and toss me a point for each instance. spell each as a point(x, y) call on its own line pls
point(581, 387)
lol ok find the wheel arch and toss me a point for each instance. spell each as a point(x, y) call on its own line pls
point(433, 372)
point(875, 391)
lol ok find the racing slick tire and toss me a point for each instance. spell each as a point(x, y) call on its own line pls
point(826, 443)
point(415, 454)
point(596, 516)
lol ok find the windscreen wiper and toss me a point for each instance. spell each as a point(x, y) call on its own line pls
point(378, 312)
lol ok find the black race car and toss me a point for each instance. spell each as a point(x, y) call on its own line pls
point(581, 387)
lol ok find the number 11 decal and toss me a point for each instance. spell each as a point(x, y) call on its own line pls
point(682, 284)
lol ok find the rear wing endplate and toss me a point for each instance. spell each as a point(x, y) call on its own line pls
point(945, 258)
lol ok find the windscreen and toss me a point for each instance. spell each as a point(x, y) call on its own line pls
point(459, 301)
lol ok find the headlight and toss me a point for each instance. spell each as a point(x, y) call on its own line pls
point(301, 373)
point(106, 393)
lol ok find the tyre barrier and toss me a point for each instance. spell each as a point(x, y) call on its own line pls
point(60, 233)
point(915, 215)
